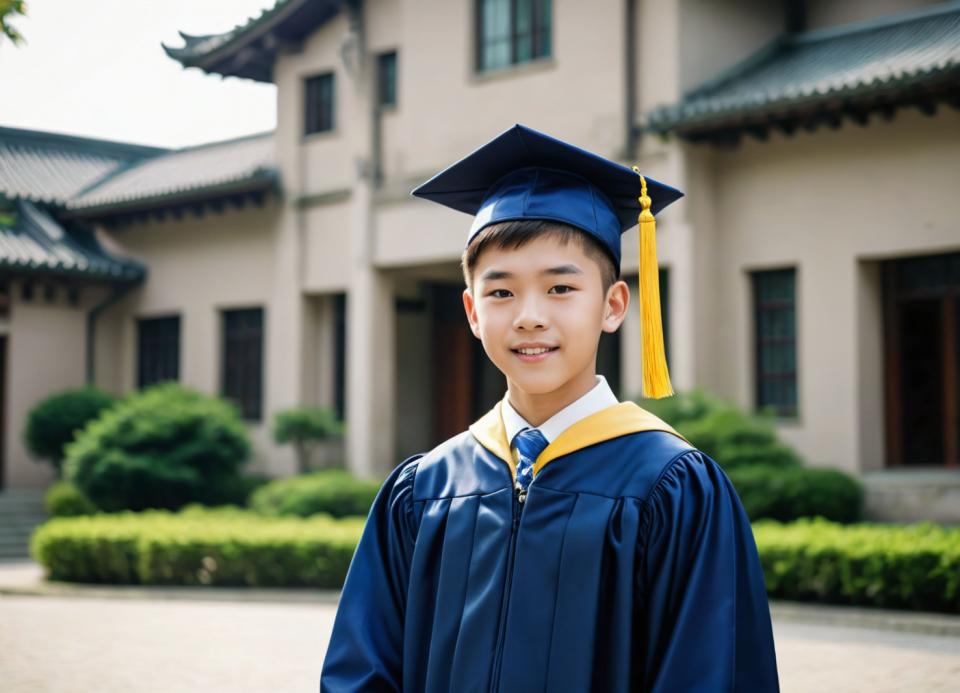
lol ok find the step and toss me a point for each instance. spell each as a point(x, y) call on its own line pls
point(24, 509)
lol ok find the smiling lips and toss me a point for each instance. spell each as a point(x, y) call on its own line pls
point(532, 353)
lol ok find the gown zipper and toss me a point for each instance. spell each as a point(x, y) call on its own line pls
point(517, 501)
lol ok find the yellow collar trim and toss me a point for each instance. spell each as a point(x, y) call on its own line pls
point(616, 420)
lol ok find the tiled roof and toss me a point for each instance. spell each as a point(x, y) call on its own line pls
point(840, 65)
point(249, 49)
point(236, 165)
point(51, 168)
point(51, 177)
point(35, 243)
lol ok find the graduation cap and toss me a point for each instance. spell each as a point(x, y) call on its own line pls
point(525, 174)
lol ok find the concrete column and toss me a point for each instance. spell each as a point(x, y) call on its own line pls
point(370, 359)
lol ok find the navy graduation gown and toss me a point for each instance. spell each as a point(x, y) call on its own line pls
point(631, 566)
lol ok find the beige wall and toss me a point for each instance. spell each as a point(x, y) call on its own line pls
point(829, 203)
point(46, 353)
point(197, 268)
point(716, 34)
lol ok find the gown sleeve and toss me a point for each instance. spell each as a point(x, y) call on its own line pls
point(704, 620)
point(365, 650)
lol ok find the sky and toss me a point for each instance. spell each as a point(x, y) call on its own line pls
point(96, 68)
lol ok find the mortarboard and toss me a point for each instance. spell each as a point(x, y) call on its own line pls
point(525, 174)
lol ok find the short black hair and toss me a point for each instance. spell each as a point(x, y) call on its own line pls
point(513, 234)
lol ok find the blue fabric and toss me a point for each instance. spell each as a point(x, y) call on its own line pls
point(526, 174)
point(530, 443)
point(630, 567)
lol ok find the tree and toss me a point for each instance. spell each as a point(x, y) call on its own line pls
point(304, 427)
point(9, 9)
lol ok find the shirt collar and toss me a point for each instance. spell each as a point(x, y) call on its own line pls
point(599, 397)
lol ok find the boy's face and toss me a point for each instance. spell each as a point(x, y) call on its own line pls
point(546, 297)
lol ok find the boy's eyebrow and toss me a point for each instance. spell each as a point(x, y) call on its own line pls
point(493, 275)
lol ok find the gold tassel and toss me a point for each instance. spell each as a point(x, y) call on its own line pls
point(656, 377)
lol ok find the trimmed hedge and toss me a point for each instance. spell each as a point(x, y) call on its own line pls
point(64, 499)
point(788, 493)
point(914, 567)
point(201, 546)
point(906, 567)
point(335, 492)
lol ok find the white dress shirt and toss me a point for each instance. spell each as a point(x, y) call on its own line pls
point(599, 397)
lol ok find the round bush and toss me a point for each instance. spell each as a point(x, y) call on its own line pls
point(54, 421)
point(788, 493)
point(682, 407)
point(730, 436)
point(161, 448)
point(64, 499)
point(332, 491)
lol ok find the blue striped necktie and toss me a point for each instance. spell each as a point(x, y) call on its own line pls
point(530, 443)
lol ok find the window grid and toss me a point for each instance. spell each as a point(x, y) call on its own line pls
point(511, 32)
point(242, 381)
point(319, 116)
point(775, 340)
point(387, 78)
point(158, 350)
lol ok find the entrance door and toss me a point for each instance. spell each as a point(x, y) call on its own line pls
point(922, 327)
point(466, 383)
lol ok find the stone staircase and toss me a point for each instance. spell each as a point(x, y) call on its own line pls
point(21, 510)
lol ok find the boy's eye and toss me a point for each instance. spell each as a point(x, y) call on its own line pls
point(499, 293)
point(562, 288)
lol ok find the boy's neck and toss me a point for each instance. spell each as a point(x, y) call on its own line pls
point(537, 408)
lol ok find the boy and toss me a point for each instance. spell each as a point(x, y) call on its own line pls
point(566, 541)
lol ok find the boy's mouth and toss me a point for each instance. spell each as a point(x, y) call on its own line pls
point(534, 353)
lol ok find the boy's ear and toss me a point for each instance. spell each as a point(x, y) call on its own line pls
point(470, 307)
point(615, 306)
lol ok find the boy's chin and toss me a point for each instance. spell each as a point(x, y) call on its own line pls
point(529, 385)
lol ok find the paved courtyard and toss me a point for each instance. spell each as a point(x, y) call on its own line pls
point(175, 646)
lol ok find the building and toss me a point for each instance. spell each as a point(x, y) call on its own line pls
point(812, 268)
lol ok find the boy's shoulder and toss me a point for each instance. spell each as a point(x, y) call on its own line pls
point(618, 456)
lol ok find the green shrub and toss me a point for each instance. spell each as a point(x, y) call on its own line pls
point(888, 566)
point(332, 491)
point(682, 407)
point(223, 546)
point(54, 421)
point(730, 436)
point(304, 427)
point(64, 499)
point(160, 448)
point(787, 493)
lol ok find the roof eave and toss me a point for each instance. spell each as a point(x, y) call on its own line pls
point(881, 96)
point(261, 181)
point(252, 50)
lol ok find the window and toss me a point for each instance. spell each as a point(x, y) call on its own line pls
point(387, 79)
point(242, 381)
point(158, 350)
point(319, 104)
point(511, 32)
point(775, 333)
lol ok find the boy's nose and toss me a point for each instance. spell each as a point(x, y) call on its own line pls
point(530, 317)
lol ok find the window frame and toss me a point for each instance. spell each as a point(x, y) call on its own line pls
point(790, 409)
point(541, 34)
point(155, 321)
point(249, 405)
point(382, 59)
point(312, 103)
